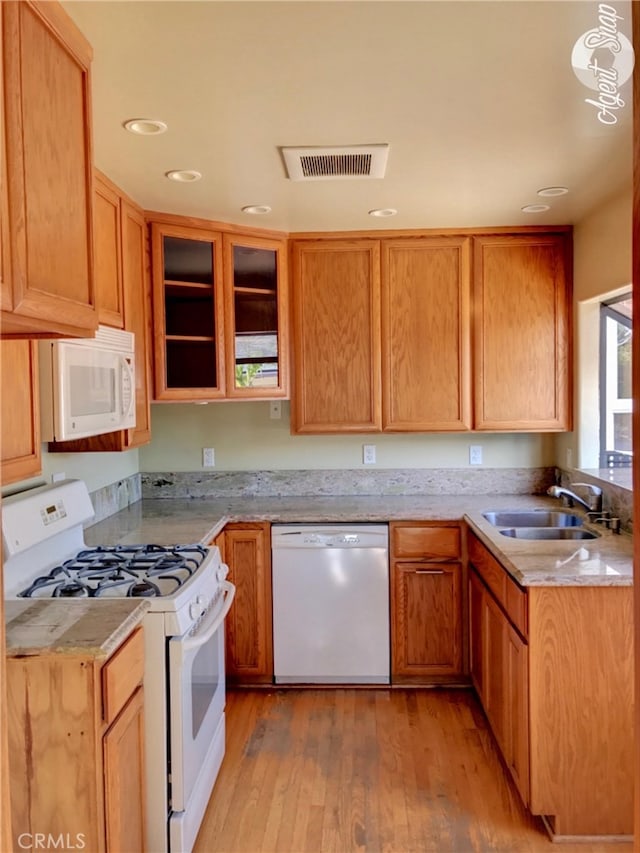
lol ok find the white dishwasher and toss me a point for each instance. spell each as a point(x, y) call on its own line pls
point(331, 603)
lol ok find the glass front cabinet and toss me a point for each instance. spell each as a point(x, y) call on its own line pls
point(256, 316)
point(220, 315)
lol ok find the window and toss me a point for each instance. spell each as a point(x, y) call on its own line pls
point(615, 382)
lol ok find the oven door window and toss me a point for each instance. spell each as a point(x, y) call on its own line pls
point(205, 678)
point(196, 706)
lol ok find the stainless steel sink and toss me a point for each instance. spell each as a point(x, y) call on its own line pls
point(549, 533)
point(534, 518)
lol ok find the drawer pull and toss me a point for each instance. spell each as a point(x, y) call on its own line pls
point(429, 571)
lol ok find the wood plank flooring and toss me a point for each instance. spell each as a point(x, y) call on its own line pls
point(374, 770)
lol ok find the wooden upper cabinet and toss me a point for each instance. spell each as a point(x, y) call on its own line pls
point(426, 372)
point(48, 282)
point(107, 252)
point(256, 317)
point(188, 311)
point(522, 334)
point(137, 314)
point(336, 336)
point(20, 411)
point(132, 274)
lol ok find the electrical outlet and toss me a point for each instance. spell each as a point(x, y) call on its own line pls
point(208, 457)
point(369, 454)
point(475, 454)
point(275, 410)
point(59, 477)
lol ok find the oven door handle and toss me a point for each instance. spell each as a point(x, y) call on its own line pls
point(212, 621)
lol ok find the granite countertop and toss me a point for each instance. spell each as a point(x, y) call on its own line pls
point(74, 627)
point(606, 561)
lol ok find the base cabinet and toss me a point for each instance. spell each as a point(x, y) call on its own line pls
point(246, 549)
point(553, 668)
point(124, 779)
point(80, 773)
point(499, 673)
point(426, 602)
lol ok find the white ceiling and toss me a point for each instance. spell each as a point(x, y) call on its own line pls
point(478, 101)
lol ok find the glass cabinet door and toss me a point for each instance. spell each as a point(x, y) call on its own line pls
point(256, 318)
point(188, 308)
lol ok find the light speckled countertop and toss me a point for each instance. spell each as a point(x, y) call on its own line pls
point(81, 627)
point(606, 561)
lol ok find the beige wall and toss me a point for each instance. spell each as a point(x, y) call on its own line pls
point(96, 469)
point(245, 438)
point(602, 266)
point(602, 249)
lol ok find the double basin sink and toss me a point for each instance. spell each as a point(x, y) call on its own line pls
point(539, 524)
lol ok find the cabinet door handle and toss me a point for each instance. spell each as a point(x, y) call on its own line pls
point(430, 560)
point(429, 571)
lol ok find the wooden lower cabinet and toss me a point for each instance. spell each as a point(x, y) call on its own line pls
point(79, 774)
point(426, 602)
point(499, 673)
point(553, 668)
point(124, 777)
point(246, 549)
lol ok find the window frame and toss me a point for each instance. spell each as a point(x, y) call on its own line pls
point(608, 312)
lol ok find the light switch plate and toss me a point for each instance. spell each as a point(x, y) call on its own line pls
point(475, 454)
point(369, 454)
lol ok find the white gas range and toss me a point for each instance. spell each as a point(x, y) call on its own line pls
point(184, 681)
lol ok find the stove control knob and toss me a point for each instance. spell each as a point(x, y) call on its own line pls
point(198, 607)
point(222, 572)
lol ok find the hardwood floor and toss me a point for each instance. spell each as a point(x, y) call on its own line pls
point(341, 770)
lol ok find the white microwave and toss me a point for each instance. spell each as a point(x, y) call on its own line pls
point(87, 385)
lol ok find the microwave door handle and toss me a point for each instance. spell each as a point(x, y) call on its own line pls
point(213, 622)
point(129, 370)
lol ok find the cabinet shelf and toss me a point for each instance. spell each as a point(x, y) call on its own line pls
point(262, 291)
point(190, 338)
point(192, 285)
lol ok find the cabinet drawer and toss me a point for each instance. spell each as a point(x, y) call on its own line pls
point(411, 542)
point(509, 595)
point(516, 606)
point(121, 675)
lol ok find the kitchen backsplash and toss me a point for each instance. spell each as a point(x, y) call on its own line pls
point(322, 483)
point(616, 499)
point(314, 482)
point(116, 496)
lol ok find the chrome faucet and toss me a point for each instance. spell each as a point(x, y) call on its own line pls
point(593, 502)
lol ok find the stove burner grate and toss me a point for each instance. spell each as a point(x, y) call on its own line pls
point(131, 570)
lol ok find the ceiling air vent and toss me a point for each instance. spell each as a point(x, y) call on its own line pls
point(330, 163)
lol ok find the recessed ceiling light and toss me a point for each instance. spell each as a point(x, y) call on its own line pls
point(383, 211)
point(535, 208)
point(184, 176)
point(145, 126)
point(256, 208)
point(548, 192)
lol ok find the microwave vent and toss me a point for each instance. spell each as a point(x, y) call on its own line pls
point(332, 163)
